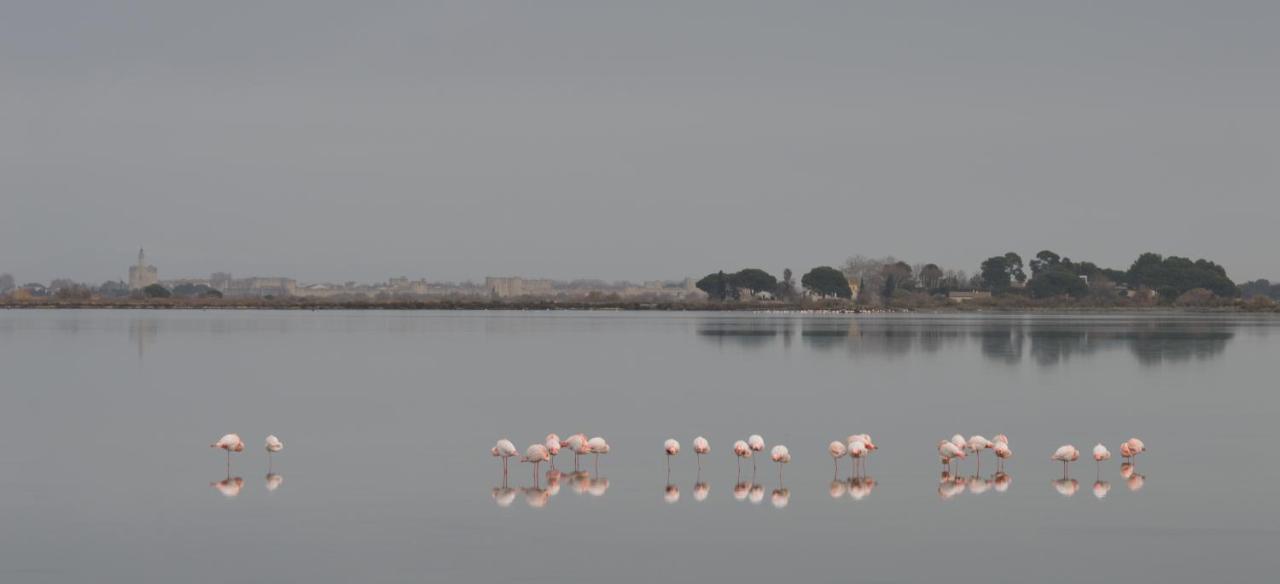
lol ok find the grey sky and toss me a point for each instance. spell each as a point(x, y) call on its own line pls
point(360, 140)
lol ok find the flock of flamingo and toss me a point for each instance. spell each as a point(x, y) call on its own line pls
point(231, 486)
point(857, 447)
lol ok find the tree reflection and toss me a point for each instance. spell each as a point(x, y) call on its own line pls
point(1048, 340)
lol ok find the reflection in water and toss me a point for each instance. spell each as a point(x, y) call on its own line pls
point(229, 487)
point(756, 494)
point(860, 487)
point(950, 485)
point(781, 496)
point(1066, 486)
point(274, 480)
point(535, 497)
point(837, 488)
point(1132, 479)
point(1101, 488)
point(581, 482)
point(672, 493)
point(1002, 480)
point(503, 496)
point(1047, 341)
point(741, 490)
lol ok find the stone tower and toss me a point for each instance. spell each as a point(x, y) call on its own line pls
point(142, 275)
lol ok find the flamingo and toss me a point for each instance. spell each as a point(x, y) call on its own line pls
point(553, 447)
point(700, 447)
point(977, 444)
point(1002, 453)
point(948, 450)
point(856, 449)
point(780, 455)
point(672, 448)
point(504, 449)
point(578, 444)
point(866, 439)
point(756, 442)
point(598, 446)
point(230, 443)
point(741, 450)
point(837, 451)
point(1100, 453)
point(537, 454)
point(1066, 453)
point(998, 438)
point(1136, 447)
point(959, 441)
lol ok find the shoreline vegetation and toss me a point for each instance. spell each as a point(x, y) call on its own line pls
point(1153, 282)
point(994, 304)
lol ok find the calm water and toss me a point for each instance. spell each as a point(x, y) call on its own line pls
point(106, 474)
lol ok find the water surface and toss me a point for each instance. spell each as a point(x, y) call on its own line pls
point(388, 417)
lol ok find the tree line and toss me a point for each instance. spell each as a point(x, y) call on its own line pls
point(1047, 275)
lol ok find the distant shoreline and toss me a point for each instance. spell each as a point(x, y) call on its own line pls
point(828, 307)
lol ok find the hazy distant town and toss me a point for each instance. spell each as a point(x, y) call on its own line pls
point(1002, 281)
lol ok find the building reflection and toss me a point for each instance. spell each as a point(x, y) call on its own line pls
point(1045, 341)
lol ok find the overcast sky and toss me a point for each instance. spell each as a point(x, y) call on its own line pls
point(453, 140)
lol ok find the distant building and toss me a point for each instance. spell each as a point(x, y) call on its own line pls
point(142, 275)
point(967, 295)
point(513, 287)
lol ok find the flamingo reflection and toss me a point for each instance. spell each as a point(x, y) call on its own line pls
point(860, 487)
point(1001, 481)
point(596, 487)
point(949, 487)
point(274, 480)
point(741, 490)
point(229, 487)
point(1066, 486)
point(672, 493)
point(504, 496)
point(977, 485)
point(700, 488)
point(1132, 479)
point(781, 496)
point(837, 488)
point(756, 495)
point(535, 497)
point(581, 482)
point(1100, 489)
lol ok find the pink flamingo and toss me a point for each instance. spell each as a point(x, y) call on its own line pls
point(1002, 452)
point(230, 443)
point(553, 447)
point(1066, 453)
point(780, 455)
point(741, 450)
point(857, 449)
point(672, 448)
point(948, 451)
point(504, 449)
point(756, 442)
point(537, 454)
point(700, 447)
point(837, 451)
point(1136, 447)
